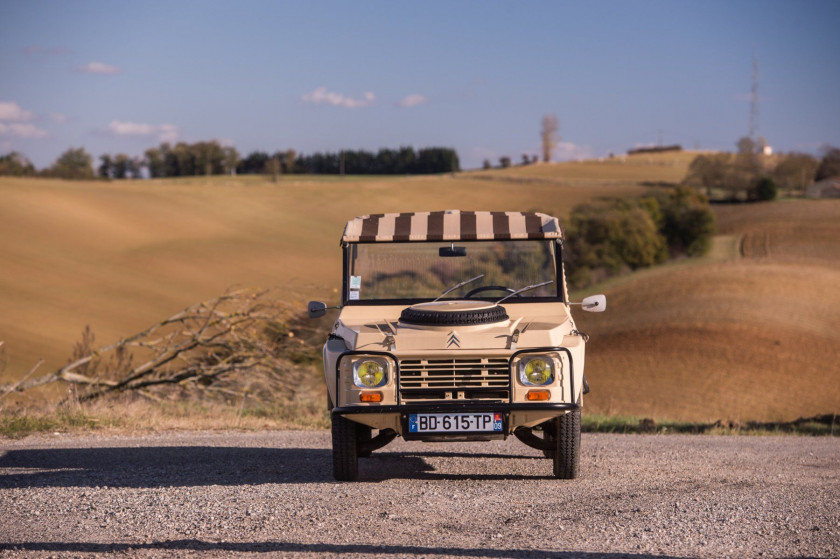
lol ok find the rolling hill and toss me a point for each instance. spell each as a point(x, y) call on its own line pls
point(747, 333)
point(121, 255)
point(752, 335)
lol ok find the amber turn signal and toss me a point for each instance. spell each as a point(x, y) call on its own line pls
point(370, 397)
point(538, 395)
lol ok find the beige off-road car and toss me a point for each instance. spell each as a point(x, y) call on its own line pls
point(454, 326)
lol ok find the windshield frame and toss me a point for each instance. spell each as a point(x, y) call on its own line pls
point(559, 280)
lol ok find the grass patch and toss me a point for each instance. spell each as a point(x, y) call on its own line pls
point(141, 416)
point(128, 415)
point(22, 424)
point(821, 426)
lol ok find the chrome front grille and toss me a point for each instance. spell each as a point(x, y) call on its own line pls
point(433, 380)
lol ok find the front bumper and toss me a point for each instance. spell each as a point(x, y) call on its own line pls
point(514, 415)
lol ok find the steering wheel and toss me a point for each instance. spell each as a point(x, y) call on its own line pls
point(478, 290)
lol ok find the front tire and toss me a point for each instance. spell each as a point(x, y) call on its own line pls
point(567, 448)
point(344, 449)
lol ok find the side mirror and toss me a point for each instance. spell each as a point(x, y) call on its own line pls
point(316, 309)
point(594, 303)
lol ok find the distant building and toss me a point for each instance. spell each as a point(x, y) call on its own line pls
point(826, 188)
point(767, 150)
point(654, 149)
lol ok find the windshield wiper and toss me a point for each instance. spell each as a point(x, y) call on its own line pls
point(462, 284)
point(536, 285)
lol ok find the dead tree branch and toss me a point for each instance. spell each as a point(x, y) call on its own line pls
point(195, 347)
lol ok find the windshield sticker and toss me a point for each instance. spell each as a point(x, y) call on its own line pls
point(355, 282)
point(354, 295)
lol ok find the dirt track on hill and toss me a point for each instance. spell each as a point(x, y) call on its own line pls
point(218, 494)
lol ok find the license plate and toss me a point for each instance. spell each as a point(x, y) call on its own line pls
point(454, 422)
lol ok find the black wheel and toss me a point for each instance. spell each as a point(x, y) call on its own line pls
point(567, 449)
point(363, 435)
point(478, 290)
point(344, 449)
point(436, 317)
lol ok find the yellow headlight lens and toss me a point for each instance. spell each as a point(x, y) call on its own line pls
point(369, 374)
point(537, 371)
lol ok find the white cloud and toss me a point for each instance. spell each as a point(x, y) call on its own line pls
point(99, 68)
point(11, 112)
point(413, 100)
point(565, 151)
point(321, 96)
point(21, 130)
point(58, 118)
point(163, 132)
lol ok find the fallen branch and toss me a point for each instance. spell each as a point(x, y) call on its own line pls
point(197, 347)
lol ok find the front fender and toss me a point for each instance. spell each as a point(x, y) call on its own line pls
point(334, 347)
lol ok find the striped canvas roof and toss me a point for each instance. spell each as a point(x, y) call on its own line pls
point(451, 225)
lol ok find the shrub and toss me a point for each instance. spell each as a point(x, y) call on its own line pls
point(626, 235)
point(764, 190)
point(829, 165)
point(689, 223)
point(604, 241)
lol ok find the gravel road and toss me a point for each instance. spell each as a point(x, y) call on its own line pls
point(222, 494)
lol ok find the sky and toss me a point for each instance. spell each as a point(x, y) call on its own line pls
point(120, 77)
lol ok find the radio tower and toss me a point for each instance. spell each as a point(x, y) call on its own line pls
point(754, 99)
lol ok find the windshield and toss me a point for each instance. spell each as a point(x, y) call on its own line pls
point(382, 271)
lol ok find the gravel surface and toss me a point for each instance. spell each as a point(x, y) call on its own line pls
point(222, 494)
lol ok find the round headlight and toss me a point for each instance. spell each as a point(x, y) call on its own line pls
point(536, 371)
point(369, 373)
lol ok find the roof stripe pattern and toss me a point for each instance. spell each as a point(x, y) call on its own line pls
point(451, 225)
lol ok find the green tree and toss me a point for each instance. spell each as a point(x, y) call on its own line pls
point(764, 190)
point(273, 167)
point(829, 165)
point(746, 168)
point(604, 240)
point(795, 171)
point(230, 160)
point(154, 162)
point(290, 159)
point(254, 163)
point(121, 167)
point(106, 166)
point(688, 222)
point(406, 161)
point(16, 164)
point(75, 163)
point(709, 171)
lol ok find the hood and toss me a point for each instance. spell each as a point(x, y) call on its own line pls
point(527, 325)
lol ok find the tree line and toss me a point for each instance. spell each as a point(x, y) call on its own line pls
point(211, 158)
point(748, 175)
point(605, 240)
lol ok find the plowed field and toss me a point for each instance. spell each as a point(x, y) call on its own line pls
point(751, 337)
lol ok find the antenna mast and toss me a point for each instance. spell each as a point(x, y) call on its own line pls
point(754, 99)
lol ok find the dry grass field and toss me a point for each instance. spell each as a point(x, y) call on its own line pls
point(749, 336)
point(668, 167)
point(122, 255)
point(747, 333)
